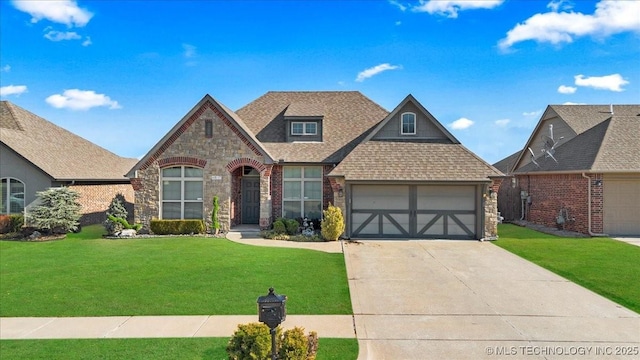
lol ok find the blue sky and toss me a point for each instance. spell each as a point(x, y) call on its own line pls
point(122, 73)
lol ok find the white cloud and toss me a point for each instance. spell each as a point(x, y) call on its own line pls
point(60, 11)
point(562, 89)
point(610, 17)
point(76, 99)
point(12, 90)
point(54, 35)
point(613, 82)
point(367, 73)
point(556, 5)
point(189, 50)
point(461, 124)
point(532, 113)
point(398, 23)
point(400, 6)
point(6, 68)
point(87, 41)
point(502, 122)
point(450, 8)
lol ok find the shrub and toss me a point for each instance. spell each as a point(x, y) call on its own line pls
point(58, 212)
point(251, 341)
point(332, 224)
point(215, 222)
point(279, 227)
point(123, 223)
point(296, 346)
point(177, 227)
point(116, 210)
point(5, 224)
point(292, 226)
point(16, 222)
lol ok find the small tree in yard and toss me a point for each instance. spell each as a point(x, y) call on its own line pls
point(116, 210)
point(332, 225)
point(215, 221)
point(58, 212)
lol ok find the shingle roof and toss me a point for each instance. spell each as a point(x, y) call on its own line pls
point(347, 116)
point(583, 117)
point(56, 151)
point(505, 165)
point(303, 109)
point(413, 161)
point(610, 146)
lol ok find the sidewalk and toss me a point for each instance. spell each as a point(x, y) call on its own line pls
point(327, 326)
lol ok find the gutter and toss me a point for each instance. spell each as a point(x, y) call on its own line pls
point(589, 208)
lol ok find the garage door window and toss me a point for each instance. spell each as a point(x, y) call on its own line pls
point(181, 193)
point(302, 192)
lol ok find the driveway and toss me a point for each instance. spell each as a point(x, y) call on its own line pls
point(474, 300)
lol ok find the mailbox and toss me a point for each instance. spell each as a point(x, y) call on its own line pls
point(272, 309)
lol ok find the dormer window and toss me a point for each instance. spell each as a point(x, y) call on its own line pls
point(408, 124)
point(304, 128)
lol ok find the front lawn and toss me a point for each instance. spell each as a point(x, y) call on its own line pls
point(85, 275)
point(608, 267)
point(170, 349)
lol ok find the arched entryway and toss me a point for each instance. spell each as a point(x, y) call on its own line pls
point(250, 198)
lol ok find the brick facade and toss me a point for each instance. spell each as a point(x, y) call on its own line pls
point(95, 200)
point(551, 193)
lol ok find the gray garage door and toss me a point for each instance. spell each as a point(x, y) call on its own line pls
point(622, 205)
point(413, 211)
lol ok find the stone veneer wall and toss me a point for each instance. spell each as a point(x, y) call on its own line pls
point(219, 156)
point(95, 200)
point(491, 211)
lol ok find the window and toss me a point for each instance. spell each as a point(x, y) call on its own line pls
point(304, 128)
point(181, 193)
point(302, 192)
point(208, 128)
point(408, 125)
point(12, 199)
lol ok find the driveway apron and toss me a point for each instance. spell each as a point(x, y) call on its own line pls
point(473, 300)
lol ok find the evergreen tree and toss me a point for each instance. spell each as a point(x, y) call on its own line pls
point(58, 212)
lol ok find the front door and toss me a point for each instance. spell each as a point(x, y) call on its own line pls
point(250, 200)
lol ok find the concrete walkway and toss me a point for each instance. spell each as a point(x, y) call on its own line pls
point(329, 326)
point(474, 300)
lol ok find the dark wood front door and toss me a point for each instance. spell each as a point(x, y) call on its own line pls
point(251, 200)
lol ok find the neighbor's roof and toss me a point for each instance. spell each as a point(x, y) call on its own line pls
point(583, 117)
point(347, 118)
point(505, 165)
point(387, 160)
point(610, 146)
point(56, 151)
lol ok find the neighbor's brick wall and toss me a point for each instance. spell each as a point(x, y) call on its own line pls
point(95, 200)
point(550, 193)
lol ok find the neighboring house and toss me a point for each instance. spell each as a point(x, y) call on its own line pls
point(36, 155)
point(584, 174)
point(290, 154)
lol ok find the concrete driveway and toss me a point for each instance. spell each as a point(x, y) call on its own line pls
point(474, 300)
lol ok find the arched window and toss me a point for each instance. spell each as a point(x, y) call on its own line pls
point(12, 200)
point(408, 124)
point(181, 193)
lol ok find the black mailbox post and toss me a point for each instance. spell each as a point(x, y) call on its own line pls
point(272, 311)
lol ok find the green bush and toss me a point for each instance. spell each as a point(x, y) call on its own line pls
point(292, 226)
point(124, 223)
point(16, 222)
point(177, 227)
point(58, 212)
point(116, 210)
point(295, 345)
point(279, 227)
point(251, 341)
point(332, 225)
point(215, 222)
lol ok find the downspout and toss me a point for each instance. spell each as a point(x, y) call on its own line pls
point(589, 208)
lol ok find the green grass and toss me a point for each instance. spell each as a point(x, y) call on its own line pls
point(85, 275)
point(152, 349)
point(608, 267)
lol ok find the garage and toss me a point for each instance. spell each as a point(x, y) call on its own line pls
point(621, 196)
point(414, 211)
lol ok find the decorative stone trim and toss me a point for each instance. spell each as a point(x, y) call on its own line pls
point(136, 183)
point(247, 162)
point(182, 160)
